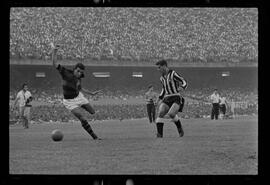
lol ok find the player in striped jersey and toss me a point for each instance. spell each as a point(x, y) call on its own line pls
point(170, 100)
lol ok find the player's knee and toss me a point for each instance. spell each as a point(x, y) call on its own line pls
point(79, 116)
point(171, 115)
point(88, 108)
point(161, 115)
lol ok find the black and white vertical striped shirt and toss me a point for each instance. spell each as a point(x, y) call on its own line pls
point(171, 84)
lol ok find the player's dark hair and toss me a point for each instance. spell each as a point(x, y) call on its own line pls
point(79, 65)
point(21, 88)
point(162, 63)
point(24, 84)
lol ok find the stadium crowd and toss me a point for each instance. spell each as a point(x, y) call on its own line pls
point(186, 34)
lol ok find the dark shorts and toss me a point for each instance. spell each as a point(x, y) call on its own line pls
point(222, 109)
point(175, 99)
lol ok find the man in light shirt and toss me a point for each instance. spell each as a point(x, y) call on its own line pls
point(215, 100)
point(24, 97)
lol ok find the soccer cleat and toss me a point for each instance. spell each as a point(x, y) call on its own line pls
point(94, 136)
point(159, 135)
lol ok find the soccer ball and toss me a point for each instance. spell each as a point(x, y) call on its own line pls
point(57, 135)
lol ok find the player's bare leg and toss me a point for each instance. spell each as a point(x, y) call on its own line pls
point(88, 108)
point(162, 111)
point(173, 115)
point(78, 113)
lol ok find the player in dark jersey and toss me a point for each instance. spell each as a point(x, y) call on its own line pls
point(74, 100)
point(170, 100)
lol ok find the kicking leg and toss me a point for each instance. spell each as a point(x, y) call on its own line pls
point(173, 115)
point(88, 108)
point(78, 113)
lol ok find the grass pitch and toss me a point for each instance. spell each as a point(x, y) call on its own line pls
point(130, 147)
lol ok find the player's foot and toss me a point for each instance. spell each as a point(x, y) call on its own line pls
point(159, 135)
point(97, 138)
point(93, 135)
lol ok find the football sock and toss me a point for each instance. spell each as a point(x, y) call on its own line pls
point(88, 129)
point(179, 128)
point(160, 129)
point(178, 124)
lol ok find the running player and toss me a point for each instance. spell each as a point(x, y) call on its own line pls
point(74, 100)
point(170, 100)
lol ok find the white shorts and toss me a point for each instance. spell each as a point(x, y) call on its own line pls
point(71, 104)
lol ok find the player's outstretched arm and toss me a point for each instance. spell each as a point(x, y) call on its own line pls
point(91, 93)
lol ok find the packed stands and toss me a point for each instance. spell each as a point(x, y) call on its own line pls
point(183, 34)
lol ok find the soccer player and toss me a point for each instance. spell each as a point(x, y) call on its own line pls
point(215, 98)
point(74, 100)
point(170, 100)
point(150, 105)
point(24, 97)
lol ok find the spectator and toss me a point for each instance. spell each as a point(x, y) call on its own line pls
point(136, 33)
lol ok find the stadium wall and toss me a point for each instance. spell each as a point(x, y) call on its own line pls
point(46, 77)
point(130, 63)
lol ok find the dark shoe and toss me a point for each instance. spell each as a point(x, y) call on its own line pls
point(94, 136)
point(159, 136)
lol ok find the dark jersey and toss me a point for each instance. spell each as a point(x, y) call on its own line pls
point(71, 84)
